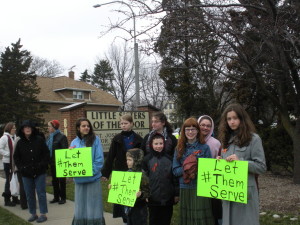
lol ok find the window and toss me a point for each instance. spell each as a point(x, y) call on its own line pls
point(77, 95)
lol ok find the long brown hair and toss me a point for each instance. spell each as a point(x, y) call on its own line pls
point(243, 133)
point(90, 137)
point(8, 127)
point(181, 145)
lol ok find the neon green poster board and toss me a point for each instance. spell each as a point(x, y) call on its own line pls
point(76, 162)
point(223, 180)
point(124, 186)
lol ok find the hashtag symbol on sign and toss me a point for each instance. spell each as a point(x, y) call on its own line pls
point(59, 163)
point(206, 177)
point(115, 186)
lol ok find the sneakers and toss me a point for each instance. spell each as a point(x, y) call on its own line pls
point(32, 218)
point(41, 219)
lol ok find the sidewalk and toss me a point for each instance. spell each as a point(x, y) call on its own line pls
point(57, 214)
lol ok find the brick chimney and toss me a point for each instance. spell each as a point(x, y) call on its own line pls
point(71, 74)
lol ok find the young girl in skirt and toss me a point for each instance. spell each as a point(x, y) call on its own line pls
point(116, 158)
point(240, 142)
point(194, 210)
point(88, 190)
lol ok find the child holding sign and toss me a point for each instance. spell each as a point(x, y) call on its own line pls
point(191, 145)
point(138, 214)
point(88, 191)
point(240, 142)
point(164, 187)
point(116, 159)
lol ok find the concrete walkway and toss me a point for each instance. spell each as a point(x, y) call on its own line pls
point(57, 214)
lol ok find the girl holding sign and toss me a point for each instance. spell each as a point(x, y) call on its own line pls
point(116, 159)
point(240, 142)
point(88, 191)
point(191, 145)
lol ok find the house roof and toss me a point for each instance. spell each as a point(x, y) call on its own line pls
point(50, 87)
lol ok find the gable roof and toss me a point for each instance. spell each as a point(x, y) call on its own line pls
point(50, 87)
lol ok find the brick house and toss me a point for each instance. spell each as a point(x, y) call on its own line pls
point(61, 92)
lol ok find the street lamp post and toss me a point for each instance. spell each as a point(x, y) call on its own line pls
point(136, 56)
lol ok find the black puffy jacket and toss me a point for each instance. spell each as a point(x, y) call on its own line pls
point(32, 156)
point(164, 186)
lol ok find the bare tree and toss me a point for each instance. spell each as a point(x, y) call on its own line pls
point(46, 68)
point(262, 38)
point(121, 60)
point(152, 86)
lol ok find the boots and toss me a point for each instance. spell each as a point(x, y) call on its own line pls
point(7, 201)
point(15, 200)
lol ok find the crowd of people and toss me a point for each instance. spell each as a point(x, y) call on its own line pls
point(168, 166)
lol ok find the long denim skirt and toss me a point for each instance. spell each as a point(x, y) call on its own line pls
point(88, 204)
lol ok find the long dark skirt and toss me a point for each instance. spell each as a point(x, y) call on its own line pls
point(195, 210)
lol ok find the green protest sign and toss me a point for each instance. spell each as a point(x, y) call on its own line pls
point(76, 162)
point(124, 186)
point(223, 180)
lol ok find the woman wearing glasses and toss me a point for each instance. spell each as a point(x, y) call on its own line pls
point(206, 124)
point(191, 146)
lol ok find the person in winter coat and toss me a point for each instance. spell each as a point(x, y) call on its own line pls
point(116, 158)
point(160, 125)
point(164, 186)
point(32, 158)
point(194, 209)
point(7, 144)
point(56, 140)
point(138, 214)
point(240, 142)
point(206, 125)
point(88, 190)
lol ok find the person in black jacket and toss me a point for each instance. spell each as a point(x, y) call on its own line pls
point(160, 125)
point(32, 157)
point(164, 187)
point(116, 159)
point(56, 140)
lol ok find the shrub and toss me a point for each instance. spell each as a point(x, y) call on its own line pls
point(278, 148)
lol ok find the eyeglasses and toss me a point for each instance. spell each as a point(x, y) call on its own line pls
point(203, 125)
point(187, 130)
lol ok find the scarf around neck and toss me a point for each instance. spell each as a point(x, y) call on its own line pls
point(50, 141)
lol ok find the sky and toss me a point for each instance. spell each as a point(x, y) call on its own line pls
point(67, 31)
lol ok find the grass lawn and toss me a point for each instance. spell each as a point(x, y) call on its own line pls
point(8, 218)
